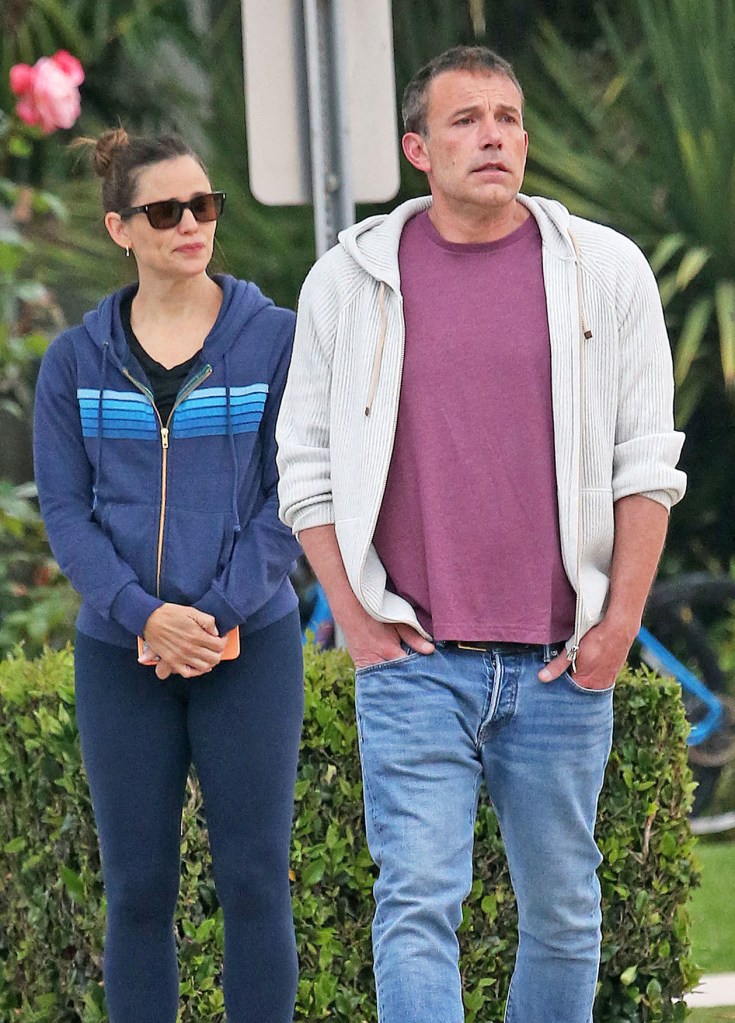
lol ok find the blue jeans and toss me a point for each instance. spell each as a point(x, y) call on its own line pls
point(430, 728)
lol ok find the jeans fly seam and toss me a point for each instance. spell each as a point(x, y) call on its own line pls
point(491, 704)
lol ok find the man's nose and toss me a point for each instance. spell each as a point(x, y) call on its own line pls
point(490, 135)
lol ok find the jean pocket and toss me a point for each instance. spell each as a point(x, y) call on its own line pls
point(409, 656)
point(585, 689)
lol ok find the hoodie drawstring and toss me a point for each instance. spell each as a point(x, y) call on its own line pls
point(586, 332)
point(378, 357)
point(233, 446)
point(100, 425)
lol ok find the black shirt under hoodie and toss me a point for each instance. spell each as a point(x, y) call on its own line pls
point(165, 383)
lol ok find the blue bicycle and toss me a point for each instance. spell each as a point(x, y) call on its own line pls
point(685, 619)
point(689, 619)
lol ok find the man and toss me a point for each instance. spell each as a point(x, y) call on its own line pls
point(477, 454)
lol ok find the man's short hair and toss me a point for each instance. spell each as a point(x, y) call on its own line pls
point(459, 58)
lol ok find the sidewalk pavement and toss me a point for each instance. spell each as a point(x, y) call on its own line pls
point(713, 990)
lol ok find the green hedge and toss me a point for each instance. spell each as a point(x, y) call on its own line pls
point(52, 903)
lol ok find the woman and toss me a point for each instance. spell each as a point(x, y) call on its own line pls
point(161, 508)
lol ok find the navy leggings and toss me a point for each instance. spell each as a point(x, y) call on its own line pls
point(240, 727)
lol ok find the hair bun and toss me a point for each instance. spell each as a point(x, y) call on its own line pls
point(105, 149)
point(119, 158)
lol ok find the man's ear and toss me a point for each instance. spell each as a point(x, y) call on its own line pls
point(414, 147)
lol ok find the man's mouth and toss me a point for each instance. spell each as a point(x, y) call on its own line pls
point(492, 165)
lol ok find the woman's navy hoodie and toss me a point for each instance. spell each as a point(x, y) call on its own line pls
point(139, 512)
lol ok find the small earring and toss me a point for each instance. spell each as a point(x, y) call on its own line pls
point(127, 252)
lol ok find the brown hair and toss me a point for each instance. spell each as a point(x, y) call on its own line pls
point(460, 58)
point(118, 158)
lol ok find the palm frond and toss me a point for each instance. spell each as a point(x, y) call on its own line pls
point(725, 303)
point(690, 338)
point(656, 156)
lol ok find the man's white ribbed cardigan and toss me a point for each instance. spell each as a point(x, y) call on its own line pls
point(612, 396)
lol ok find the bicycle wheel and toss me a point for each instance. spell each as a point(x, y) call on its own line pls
point(693, 617)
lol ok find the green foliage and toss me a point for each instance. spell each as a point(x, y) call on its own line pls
point(274, 247)
point(641, 138)
point(51, 897)
point(125, 47)
point(713, 922)
point(724, 1014)
point(27, 311)
point(49, 892)
point(143, 63)
point(647, 849)
point(52, 903)
point(37, 605)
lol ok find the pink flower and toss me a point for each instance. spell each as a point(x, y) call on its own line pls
point(70, 66)
point(49, 91)
point(27, 111)
point(21, 79)
point(56, 96)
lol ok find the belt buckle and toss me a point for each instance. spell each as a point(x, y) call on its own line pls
point(476, 647)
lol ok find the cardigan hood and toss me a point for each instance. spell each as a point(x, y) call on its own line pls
point(373, 243)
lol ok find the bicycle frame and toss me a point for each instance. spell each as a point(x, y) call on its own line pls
point(658, 657)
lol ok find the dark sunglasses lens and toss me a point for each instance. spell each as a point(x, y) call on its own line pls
point(207, 207)
point(164, 214)
point(168, 212)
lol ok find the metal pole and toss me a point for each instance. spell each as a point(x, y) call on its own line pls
point(313, 35)
point(331, 184)
point(334, 206)
point(344, 190)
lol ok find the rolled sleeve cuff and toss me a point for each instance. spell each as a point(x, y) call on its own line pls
point(321, 514)
point(647, 466)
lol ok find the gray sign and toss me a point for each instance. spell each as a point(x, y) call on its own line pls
point(279, 127)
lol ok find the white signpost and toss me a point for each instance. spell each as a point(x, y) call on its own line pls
point(320, 106)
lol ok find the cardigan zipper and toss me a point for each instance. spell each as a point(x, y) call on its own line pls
point(584, 335)
point(384, 317)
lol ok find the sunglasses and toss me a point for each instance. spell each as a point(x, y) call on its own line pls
point(168, 212)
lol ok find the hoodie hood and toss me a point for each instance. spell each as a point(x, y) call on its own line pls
point(373, 243)
point(241, 301)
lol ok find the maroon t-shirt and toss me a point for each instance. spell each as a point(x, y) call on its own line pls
point(468, 530)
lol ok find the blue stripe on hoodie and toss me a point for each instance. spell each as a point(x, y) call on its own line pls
point(100, 479)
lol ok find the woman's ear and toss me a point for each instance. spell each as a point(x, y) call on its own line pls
point(117, 230)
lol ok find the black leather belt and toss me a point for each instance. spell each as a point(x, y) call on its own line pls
point(485, 646)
